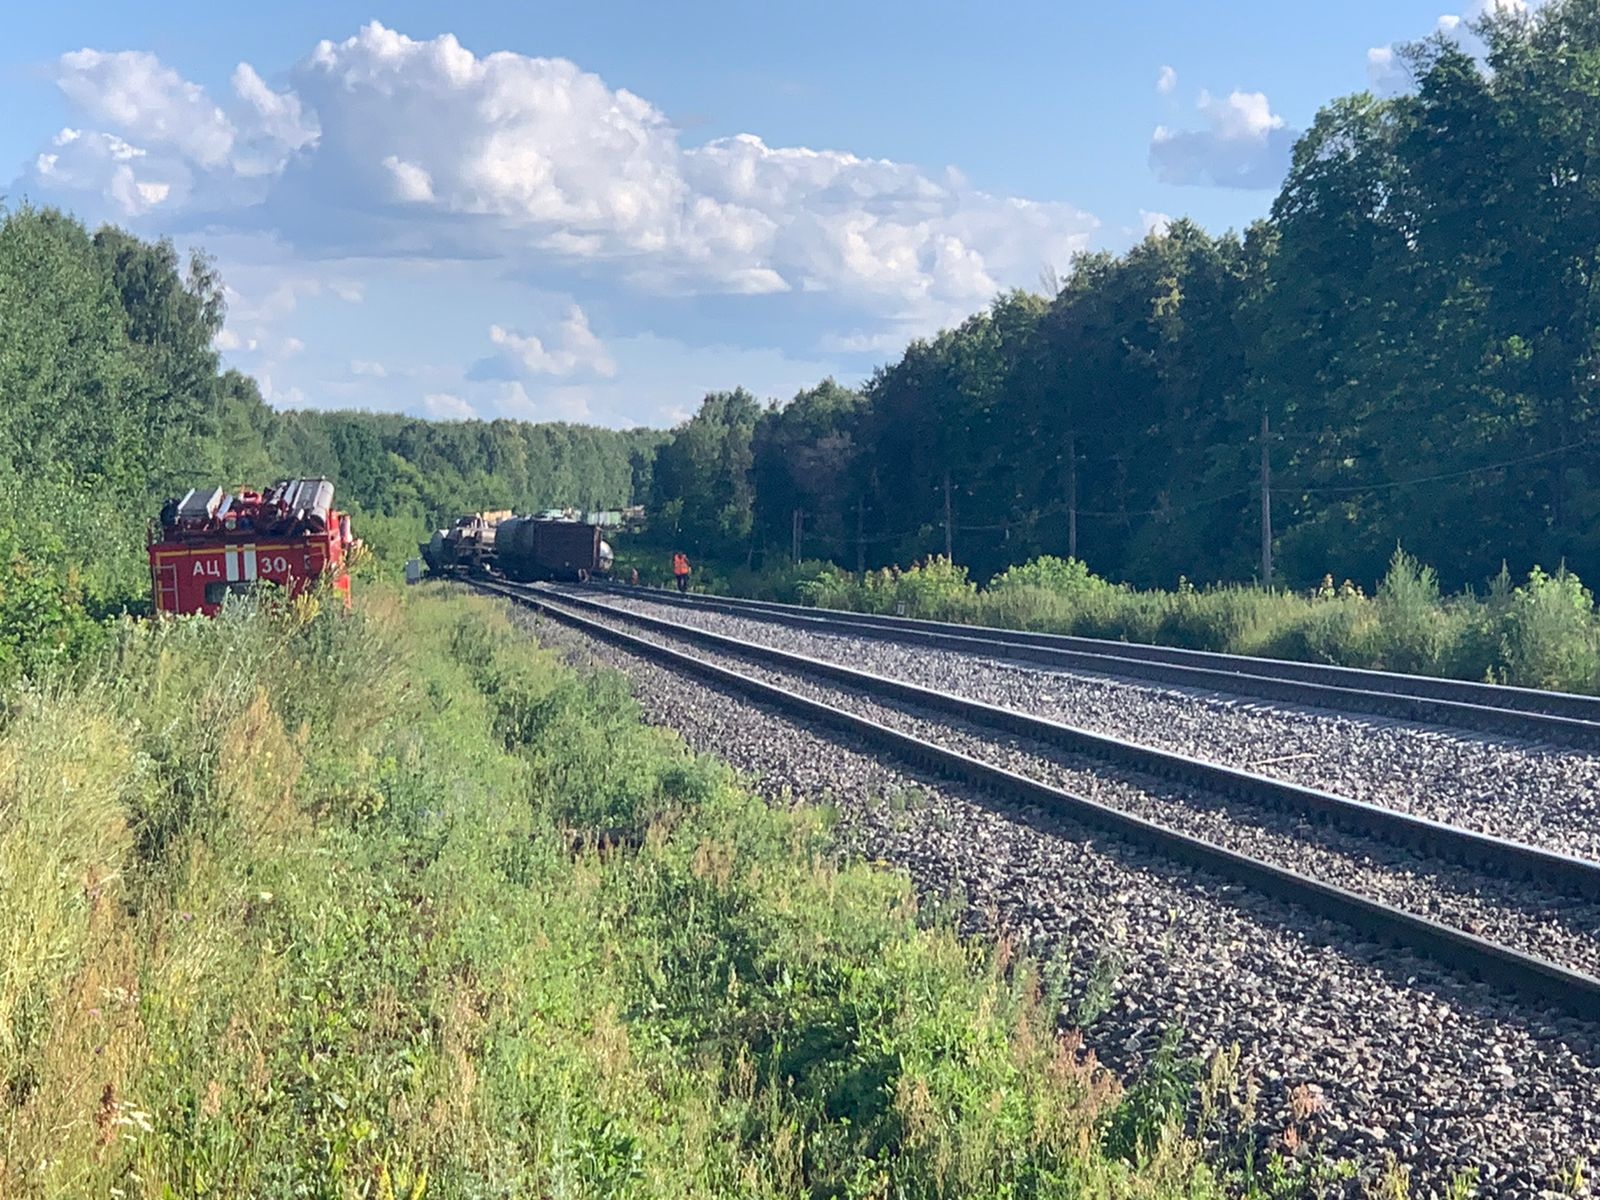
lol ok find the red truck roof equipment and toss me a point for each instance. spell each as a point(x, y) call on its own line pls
point(208, 544)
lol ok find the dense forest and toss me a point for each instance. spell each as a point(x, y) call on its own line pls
point(1408, 345)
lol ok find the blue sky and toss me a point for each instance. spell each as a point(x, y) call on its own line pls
point(601, 211)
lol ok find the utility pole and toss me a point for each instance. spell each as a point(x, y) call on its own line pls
point(1072, 495)
point(1266, 502)
point(795, 534)
point(861, 541)
point(948, 552)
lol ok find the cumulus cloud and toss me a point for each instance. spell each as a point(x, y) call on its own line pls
point(387, 145)
point(166, 143)
point(1167, 81)
point(1154, 222)
point(1245, 144)
point(446, 406)
point(230, 342)
point(574, 349)
point(133, 92)
point(104, 167)
point(1387, 72)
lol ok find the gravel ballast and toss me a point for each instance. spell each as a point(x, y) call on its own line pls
point(1515, 913)
point(1543, 795)
point(1394, 1055)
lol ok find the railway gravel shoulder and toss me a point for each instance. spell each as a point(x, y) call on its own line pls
point(1543, 795)
point(1395, 1056)
point(1515, 913)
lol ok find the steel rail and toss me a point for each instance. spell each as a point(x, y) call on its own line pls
point(1574, 992)
point(1565, 872)
point(1527, 713)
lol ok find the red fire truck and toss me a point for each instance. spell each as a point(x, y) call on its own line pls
point(209, 544)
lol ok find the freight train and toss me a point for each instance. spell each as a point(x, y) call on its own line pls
point(210, 544)
point(524, 549)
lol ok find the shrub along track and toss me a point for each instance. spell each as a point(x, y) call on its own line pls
point(1387, 1053)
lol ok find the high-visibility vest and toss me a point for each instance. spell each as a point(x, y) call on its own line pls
point(680, 565)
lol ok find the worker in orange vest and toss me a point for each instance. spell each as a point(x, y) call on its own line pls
point(680, 570)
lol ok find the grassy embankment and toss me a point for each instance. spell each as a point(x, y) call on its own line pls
point(1542, 633)
point(395, 904)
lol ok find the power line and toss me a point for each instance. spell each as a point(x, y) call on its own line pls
point(1343, 489)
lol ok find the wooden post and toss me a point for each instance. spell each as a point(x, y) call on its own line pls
point(861, 542)
point(1072, 495)
point(1266, 501)
point(948, 543)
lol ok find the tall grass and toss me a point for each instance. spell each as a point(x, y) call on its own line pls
point(393, 905)
point(1541, 633)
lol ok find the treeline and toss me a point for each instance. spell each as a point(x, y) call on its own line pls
point(112, 398)
point(1407, 350)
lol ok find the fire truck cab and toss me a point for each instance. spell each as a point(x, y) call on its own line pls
point(209, 544)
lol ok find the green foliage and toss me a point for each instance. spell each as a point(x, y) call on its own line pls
point(1414, 626)
point(1543, 633)
point(42, 618)
point(701, 486)
point(391, 904)
point(1550, 638)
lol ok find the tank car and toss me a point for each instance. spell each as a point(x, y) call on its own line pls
point(468, 546)
point(543, 548)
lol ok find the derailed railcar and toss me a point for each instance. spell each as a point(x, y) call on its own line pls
point(541, 548)
point(467, 546)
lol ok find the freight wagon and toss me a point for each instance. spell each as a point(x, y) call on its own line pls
point(550, 546)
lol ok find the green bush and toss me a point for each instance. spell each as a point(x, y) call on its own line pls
point(392, 904)
point(1544, 633)
point(1415, 632)
point(1550, 635)
point(43, 619)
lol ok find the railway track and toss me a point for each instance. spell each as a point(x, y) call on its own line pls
point(1561, 718)
point(1569, 989)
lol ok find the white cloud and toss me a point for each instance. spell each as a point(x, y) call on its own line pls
point(446, 406)
point(1167, 81)
point(132, 91)
point(1155, 222)
point(230, 342)
point(573, 350)
point(292, 345)
point(1385, 72)
point(411, 183)
point(279, 397)
point(423, 148)
point(276, 126)
point(373, 370)
point(863, 341)
point(1245, 144)
point(1389, 76)
point(157, 109)
point(104, 168)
